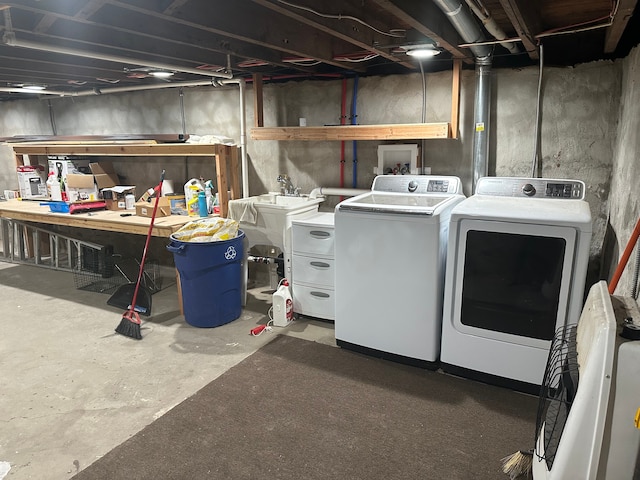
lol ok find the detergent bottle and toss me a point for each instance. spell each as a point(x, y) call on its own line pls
point(193, 209)
point(191, 189)
point(282, 305)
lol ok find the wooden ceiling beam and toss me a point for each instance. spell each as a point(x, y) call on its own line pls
point(618, 24)
point(524, 15)
point(229, 19)
point(345, 29)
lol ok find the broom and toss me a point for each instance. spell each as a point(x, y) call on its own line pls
point(130, 324)
point(518, 464)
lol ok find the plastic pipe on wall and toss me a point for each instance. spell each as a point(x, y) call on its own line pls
point(330, 191)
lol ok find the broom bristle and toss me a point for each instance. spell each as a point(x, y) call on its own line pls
point(517, 464)
point(129, 328)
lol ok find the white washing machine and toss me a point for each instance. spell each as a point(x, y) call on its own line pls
point(518, 252)
point(390, 248)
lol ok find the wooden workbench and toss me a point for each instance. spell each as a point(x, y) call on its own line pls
point(224, 157)
point(107, 220)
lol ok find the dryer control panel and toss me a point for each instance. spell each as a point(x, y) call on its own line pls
point(416, 184)
point(531, 188)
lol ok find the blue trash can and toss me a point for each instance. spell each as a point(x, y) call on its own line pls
point(210, 279)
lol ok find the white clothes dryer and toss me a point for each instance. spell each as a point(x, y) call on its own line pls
point(518, 252)
point(390, 248)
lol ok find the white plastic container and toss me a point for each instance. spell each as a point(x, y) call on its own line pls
point(282, 305)
point(53, 188)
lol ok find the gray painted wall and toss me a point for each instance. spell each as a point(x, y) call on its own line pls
point(580, 139)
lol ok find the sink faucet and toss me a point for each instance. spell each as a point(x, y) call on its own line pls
point(287, 187)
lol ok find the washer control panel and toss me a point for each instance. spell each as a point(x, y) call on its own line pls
point(531, 187)
point(418, 184)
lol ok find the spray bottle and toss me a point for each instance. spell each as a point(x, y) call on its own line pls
point(282, 305)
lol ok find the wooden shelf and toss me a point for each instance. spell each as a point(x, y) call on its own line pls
point(225, 157)
point(404, 131)
point(122, 149)
point(355, 132)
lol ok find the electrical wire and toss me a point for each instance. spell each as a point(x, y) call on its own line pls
point(564, 30)
point(536, 147)
point(356, 60)
point(343, 17)
point(52, 118)
point(636, 274)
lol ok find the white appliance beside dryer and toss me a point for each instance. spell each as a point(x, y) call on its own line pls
point(390, 247)
point(518, 252)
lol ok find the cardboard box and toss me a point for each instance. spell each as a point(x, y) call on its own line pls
point(145, 209)
point(115, 197)
point(62, 166)
point(31, 182)
point(81, 187)
point(104, 174)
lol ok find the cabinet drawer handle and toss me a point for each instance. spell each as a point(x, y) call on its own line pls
point(319, 294)
point(319, 234)
point(319, 264)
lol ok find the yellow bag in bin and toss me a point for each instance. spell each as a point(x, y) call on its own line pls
point(207, 230)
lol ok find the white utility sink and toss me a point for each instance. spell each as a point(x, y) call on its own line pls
point(271, 224)
point(284, 202)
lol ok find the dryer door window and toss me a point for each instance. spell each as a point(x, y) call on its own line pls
point(512, 283)
point(513, 280)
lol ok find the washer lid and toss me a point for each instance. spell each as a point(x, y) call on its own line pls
point(389, 202)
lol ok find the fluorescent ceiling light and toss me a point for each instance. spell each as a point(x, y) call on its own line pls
point(160, 74)
point(421, 51)
point(33, 88)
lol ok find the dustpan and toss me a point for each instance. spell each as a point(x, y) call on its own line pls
point(124, 294)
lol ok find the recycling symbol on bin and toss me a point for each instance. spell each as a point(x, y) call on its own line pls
point(231, 253)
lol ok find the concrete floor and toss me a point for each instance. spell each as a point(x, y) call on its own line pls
point(72, 389)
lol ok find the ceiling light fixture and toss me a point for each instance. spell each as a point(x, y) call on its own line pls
point(33, 88)
point(426, 50)
point(161, 74)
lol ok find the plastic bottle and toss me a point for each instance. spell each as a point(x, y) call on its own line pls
point(191, 189)
point(53, 188)
point(208, 189)
point(192, 207)
point(282, 305)
point(202, 204)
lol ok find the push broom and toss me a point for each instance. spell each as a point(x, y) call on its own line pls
point(130, 324)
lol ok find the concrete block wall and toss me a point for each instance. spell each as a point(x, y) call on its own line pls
point(581, 118)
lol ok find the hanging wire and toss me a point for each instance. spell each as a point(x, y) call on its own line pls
point(400, 34)
point(636, 274)
point(424, 114)
point(52, 118)
point(536, 149)
point(184, 125)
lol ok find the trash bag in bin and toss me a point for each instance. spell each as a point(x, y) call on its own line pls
point(210, 279)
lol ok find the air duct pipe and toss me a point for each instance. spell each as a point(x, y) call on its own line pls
point(467, 26)
point(10, 40)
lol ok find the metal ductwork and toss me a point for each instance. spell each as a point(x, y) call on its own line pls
point(467, 26)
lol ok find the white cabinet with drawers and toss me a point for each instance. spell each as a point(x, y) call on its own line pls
point(312, 263)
